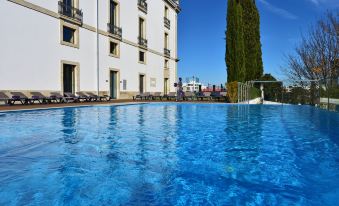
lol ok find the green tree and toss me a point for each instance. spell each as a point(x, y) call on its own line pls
point(240, 45)
point(230, 41)
point(243, 47)
point(272, 90)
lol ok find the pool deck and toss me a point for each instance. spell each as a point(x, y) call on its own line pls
point(19, 107)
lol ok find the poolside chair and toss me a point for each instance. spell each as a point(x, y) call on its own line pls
point(98, 98)
point(83, 96)
point(189, 95)
point(146, 96)
point(157, 95)
point(170, 96)
point(73, 97)
point(5, 98)
point(40, 98)
point(219, 96)
point(223, 96)
point(20, 97)
point(204, 96)
point(57, 97)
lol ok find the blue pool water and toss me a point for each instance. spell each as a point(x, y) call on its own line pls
point(170, 154)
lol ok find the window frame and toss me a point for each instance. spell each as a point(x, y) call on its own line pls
point(117, 55)
point(76, 43)
point(145, 58)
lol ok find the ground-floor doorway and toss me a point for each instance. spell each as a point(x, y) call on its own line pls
point(69, 78)
point(141, 83)
point(114, 84)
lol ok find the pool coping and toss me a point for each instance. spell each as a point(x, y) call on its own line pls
point(74, 106)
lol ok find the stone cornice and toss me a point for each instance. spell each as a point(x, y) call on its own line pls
point(174, 5)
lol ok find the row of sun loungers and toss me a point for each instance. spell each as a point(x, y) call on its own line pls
point(54, 97)
point(203, 96)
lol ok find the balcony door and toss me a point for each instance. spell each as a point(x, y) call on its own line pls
point(141, 28)
point(68, 5)
point(113, 14)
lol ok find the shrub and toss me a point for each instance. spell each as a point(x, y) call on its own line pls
point(232, 92)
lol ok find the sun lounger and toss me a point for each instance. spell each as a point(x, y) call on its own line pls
point(5, 98)
point(98, 98)
point(20, 97)
point(219, 96)
point(57, 97)
point(204, 96)
point(157, 95)
point(189, 95)
point(70, 97)
point(40, 98)
point(170, 96)
point(83, 96)
point(143, 96)
point(137, 96)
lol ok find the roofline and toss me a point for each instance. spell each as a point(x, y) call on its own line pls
point(174, 5)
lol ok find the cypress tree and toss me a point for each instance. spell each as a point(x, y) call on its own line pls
point(230, 41)
point(260, 67)
point(239, 44)
point(243, 47)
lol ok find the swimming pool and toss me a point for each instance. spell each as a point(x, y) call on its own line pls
point(170, 154)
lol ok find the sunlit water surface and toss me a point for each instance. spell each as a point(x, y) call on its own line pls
point(170, 154)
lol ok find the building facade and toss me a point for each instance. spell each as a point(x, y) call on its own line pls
point(114, 47)
point(193, 85)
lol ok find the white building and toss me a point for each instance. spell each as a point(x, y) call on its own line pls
point(192, 85)
point(115, 47)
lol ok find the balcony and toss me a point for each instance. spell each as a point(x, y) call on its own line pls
point(167, 23)
point(70, 12)
point(142, 42)
point(114, 31)
point(167, 52)
point(142, 4)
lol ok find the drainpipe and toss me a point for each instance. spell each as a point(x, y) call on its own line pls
point(98, 48)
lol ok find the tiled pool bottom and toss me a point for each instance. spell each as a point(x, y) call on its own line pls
point(170, 154)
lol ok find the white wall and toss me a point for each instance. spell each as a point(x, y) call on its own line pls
point(31, 51)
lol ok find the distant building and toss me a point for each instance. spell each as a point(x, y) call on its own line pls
point(192, 85)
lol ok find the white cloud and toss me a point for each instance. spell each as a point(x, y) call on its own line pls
point(279, 11)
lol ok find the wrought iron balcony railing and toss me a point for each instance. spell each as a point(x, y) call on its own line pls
point(167, 23)
point(70, 12)
point(142, 4)
point(167, 52)
point(142, 42)
point(115, 30)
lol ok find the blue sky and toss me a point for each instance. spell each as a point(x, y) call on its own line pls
point(202, 26)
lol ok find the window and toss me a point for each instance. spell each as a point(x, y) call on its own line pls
point(141, 28)
point(113, 13)
point(68, 3)
point(142, 57)
point(166, 11)
point(114, 49)
point(166, 41)
point(166, 64)
point(68, 35)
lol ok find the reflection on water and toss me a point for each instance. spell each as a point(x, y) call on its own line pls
point(170, 154)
